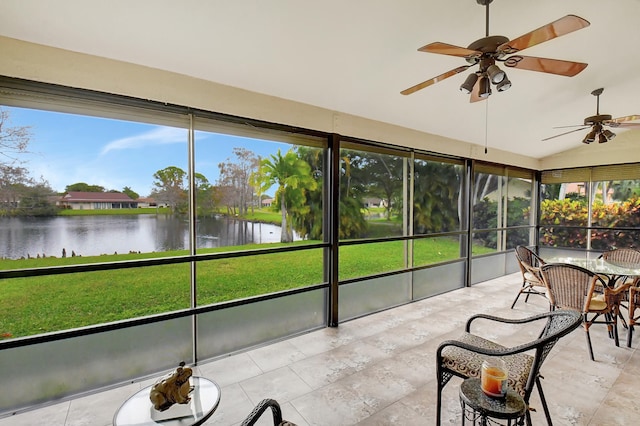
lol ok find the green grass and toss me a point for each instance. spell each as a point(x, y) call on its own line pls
point(264, 215)
point(57, 302)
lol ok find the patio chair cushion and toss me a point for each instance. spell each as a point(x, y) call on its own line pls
point(597, 303)
point(469, 363)
point(532, 278)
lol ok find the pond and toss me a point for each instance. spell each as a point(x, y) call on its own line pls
point(96, 235)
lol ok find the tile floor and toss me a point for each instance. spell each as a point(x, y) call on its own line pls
point(380, 370)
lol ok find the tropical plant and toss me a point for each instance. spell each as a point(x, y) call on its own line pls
point(292, 177)
point(436, 197)
point(561, 222)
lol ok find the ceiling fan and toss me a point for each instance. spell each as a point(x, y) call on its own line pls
point(491, 49)
point(598, 122)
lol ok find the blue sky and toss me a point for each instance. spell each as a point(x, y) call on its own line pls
point(67, 148)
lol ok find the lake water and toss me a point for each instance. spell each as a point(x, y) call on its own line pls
point(95, 235)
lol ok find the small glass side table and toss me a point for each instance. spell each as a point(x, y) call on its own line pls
point(138, 409)
point(480, 409)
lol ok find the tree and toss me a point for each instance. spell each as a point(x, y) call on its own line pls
point(20, 195)
point(235, 180)
point(35, 200)
point(292, 176)
point(84, 187)
point(14, 140)
point(205, 195)
point(383, 174)
point(307, 220)
point(436, 197)
point(130, 192)
point(13, 181)
point(169, 188)
point(625, 189)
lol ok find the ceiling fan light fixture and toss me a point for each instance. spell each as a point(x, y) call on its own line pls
point(495, 74)
point(485, 87)
point(591, 137)
point(467, 86)
point(608, 134)
point(505, 84)
point(602, 138)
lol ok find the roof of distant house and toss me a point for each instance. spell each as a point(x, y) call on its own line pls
point(146, 200)
point(96, 196)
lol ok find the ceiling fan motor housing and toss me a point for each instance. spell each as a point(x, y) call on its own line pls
point(597, 119)
point(488, 46)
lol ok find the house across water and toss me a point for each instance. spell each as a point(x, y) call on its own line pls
point(78, 200)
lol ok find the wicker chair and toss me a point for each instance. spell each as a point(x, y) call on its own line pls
point(576, 288)
point(634, 303)
point(532, 282)
point(622, 255)
point(627, 256)
point(463, 357)
point(263, 406)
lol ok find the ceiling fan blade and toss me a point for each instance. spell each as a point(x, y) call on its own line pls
point(551, 66)
point(566, 133)
point(434, 80)
point(547, 32)
point(449, 49)
point(566, 127)
point(622, 121)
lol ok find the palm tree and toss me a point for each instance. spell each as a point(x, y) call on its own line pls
point(292, 176)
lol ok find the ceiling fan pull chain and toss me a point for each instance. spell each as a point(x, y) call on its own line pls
point(486, 125)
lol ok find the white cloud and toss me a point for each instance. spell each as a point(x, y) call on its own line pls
point(157, 136)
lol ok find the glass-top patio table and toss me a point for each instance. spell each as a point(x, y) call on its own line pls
point(614, 271)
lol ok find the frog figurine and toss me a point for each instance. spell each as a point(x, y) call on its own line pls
point(172, 389)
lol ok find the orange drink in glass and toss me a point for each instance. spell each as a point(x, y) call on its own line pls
point(493, 378)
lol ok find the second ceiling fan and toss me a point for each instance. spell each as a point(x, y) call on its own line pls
point(486, 51)
point(597, 124)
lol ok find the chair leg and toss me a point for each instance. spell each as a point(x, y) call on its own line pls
point(629, 335)
point(439, 403)
point(589, 344)
point(543, 400)
point(528, 416)
point(614, 318)
point(518, 295)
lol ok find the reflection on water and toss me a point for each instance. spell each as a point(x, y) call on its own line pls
point(95, 235)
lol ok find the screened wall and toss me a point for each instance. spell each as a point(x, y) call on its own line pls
point(502, 204)
point(590, 209)
point(243, 233)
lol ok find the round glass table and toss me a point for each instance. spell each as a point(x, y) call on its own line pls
point(138, 410)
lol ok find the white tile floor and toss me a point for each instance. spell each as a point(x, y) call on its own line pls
point(380, 370)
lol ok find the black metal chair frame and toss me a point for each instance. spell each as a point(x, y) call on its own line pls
point(259, 409)
point(559, 323)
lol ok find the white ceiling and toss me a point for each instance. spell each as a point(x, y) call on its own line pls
point(355, 56)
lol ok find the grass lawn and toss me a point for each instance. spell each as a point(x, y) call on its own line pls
point(57, 302)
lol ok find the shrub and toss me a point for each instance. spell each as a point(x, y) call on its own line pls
point(557, 215)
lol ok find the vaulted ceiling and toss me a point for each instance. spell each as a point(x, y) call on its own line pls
point(355, 56)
